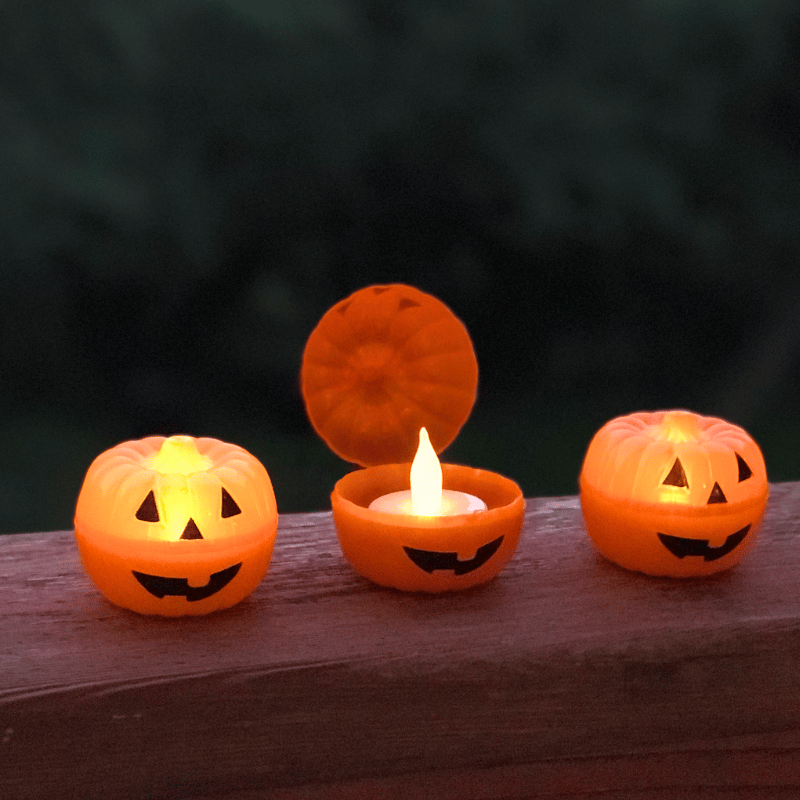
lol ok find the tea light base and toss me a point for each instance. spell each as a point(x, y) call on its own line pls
point(427, 554)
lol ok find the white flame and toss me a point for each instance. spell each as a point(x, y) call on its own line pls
point(426, 479)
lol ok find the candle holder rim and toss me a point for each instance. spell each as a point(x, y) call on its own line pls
point(504, 493)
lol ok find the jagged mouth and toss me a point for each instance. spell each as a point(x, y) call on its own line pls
point(162, 587)
point(681, 547)
point(431, 560)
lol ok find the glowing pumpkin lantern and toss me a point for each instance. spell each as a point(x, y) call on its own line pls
point(176, 526)
point(673, 493)
point(380, 366)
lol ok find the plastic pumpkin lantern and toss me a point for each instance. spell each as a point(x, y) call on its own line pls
point(427, 553)
point(673, 493)
point(176, 526)
point(380, 365)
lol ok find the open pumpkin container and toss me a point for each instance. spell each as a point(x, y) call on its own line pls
point(381, 364)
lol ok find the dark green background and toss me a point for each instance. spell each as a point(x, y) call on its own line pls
point(607, 194)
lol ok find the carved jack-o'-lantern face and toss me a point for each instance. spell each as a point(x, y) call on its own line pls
point(176, 526)
point(673, 493)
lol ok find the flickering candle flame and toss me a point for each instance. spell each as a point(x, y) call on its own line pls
point(426, 479)
point(677, 427)
point(426, 497)
point(176, 459)
point(178, 455)
point(680, 426)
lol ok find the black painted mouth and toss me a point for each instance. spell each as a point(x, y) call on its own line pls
point(431, 560)
point(682, 547)
point(161, 587)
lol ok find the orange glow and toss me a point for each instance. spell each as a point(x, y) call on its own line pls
point(680, 426)
point(426, 479)
point(178, 455)
point(375, 543)
point(673, 493)
point(386, 367)
point(176, 526)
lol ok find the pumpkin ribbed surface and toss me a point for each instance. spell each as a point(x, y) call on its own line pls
point(383, 363)
point(176, 526)
point(673, 493)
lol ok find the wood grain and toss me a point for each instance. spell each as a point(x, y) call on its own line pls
point(565, 677)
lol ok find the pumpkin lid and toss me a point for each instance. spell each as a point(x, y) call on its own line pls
point(383, 363)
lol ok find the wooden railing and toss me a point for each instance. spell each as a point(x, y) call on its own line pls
point(565, 677)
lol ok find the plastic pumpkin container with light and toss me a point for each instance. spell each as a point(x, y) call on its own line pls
point(673, 493)
point(176, 526)
point(381, 365)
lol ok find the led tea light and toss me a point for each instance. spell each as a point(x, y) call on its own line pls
point(426, 498)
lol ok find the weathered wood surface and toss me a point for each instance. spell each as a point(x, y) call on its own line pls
point(565, 677)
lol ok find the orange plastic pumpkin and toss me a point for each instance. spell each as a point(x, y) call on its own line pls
point(673, 493)
point(177, 525)
point(380, 365)
point(427, 554)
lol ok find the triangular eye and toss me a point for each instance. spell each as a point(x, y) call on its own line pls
point(407, 302)
point(717, 495)
point(230, 508)
point(191, 531)
point(676, 477)
point(148, 512)
point(744, 471)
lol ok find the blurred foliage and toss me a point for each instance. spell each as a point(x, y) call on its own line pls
point(607, 194)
